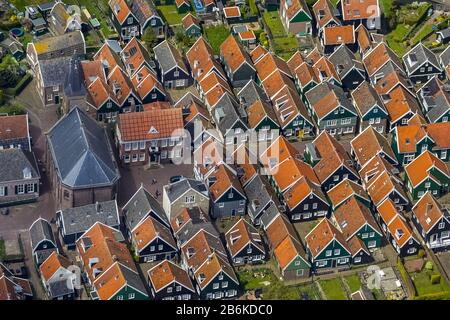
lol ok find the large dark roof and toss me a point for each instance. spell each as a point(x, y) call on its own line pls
point(40, 230)
point(17, 164)
point(80, 219)
point(140, 206)
point(88, 162)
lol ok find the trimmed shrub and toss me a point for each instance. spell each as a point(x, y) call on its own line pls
point(435, 278)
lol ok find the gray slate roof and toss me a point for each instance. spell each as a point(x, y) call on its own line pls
point(42, 255)
point(39, 231)
point(54, 71)
point(133, 279)
point(16, 162)
point(226, 113)
point(445, 56)
point(437, 98)
point(168, 57)
point(141, 204)
point(422, 54)
point(80, 219)
point(365, 97)
point(321, 90)
point(59, 288)
point(74, 84)
point(445, 33)
point(259, 194)
point(143, 10)
point(269, 215)
point(344, 60)
point(177, 189)
point(89, 161)
point(250, 93)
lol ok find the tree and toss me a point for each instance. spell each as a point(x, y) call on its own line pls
point(149, 39)
point(9, 71)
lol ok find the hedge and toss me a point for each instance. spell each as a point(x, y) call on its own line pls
point(20, 86)
point(434, 296)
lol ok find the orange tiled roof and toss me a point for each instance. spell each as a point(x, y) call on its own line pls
point(358, 10)
point(189, 20)
point(339, 35)
point(120, 85)
point(247, 35)
point(295, 61)
point(92, 70)
point(133, 54)
point(363, 38)
point(323, 12)
point(123, 11)
point(401, 102)
point(351, 216)
point(300, 190)
point(333, 155)
point(233, 53)
point(419, 168)
point(369, 143)
point(258, 53)
point(52, 264)
point(400, 230)
point(344, 190)
point(380, 187)
point(245, 161)
point(325, 66)
point(150, 229)
point(377, 57)
point(240, 235)
point(258, 111)
point(278, 230)
point(232, 12)
point(151, 124)
point(373, 168)
point(224, 181)
point(280, 150)
point(212, 266)
point(428, 211)
point(305, 74)
point(291, 170)
point(166, 272)
point(387, 210)
point(321, 235)
point(201, 59)
point(268, 64)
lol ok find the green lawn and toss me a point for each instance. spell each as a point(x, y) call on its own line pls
point(250, 282)
point(170, 14)
point(424, 32)
point(272, 19)
point(353, 282)
point(333, 289)
point(285, 46)
point(423, 284)
point(216, 35)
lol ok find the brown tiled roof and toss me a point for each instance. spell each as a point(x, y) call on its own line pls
point(332, 155)
point(400, 230)
point(373, 168)
point(294, 7)
point(295, 61)
point(280, 149)
point(369, 143)
point(144, 81)
point(358, 10)
point(419, 168)
point(179, 3)
point(305, 74)
point(339, 35)
point(133, 54)
point(314, 56)
point(324, 9)
point(118, 79)
point(325, 66)
point(351, 216)
point(92, 70)
point(275, 82)
point(321, 235)
point(240, 235)
point(138, 125)
point(387, 210)
point(365, 97)
point(279, 229)
point(247, 35)
point(258, 53)
point(108, 57)
point(344, 190)
point(390, 81)
point(99, 91)
point(355, 245)
point(166, 272)
point(13, 127)
point(427, 211)
point(380, 187)
point(363, 38)
point(287, 251)
point(440, 133)
point(246, 161)
point(189, 20)
point(401, 102)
